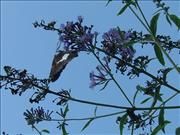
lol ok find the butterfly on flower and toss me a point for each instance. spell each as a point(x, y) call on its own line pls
point(60, 60)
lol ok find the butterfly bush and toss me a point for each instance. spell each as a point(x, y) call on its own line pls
point(117, 46)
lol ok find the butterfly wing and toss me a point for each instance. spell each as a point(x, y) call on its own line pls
point(60, 60)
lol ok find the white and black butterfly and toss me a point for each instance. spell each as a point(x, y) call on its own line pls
point(60, 60)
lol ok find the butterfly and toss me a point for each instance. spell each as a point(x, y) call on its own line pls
point(60, 60)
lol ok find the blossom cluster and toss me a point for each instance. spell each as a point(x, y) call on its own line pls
point(20, 81)
point(115, 42)
point(33, 116)
point(102, 76)
point(77, 37)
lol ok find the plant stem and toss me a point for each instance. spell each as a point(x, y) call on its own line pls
point(139, 19)
point(88, 118)
point(36, 130)
point(112, 77)
point(132, 130)
point(171, 97)
point(101, 104)
point(90, 102)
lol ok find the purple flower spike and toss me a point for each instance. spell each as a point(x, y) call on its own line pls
point(99, 78)
point(77, 37)
point(114, 42)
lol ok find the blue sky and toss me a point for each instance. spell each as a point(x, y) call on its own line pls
point(22, 46)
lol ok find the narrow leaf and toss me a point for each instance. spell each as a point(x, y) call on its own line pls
point(66, 110)
point(140, 88)
point(168, 20)
point(175, 20)
point(108, 2)
point(157, 11)
point(135, 95)
point(45, 131)
point(159, 97)
point(159, 127)
point(145, 100)
point(124, 8)
point(159, 54)
point(153, 24)
point(122, 122)
point(64, 130)
point(178, 131)
point(87, 124)
point(161, 118)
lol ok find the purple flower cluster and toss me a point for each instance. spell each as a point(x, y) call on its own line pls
point(101, 76)
point(114, 42)
point(33, 116)
point(77, 37)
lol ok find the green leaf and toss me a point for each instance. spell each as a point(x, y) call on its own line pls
point(87, 124)
point(155, 98)
point(145, 100)
point(157, 11)
point(64, 132)
point(140, 88)
point(7, 69)
point(122, 122)
point(108, 2)
point(66, 110)
point(135, 95)
point(159, 97)
point(178, 131)
point(175, 20)
point(45, 131)
point(153, 24)
point(159, 54)
point(124, 8)
point(159, 127)
point(168, 20)
point(178, 68)
point(161, 119)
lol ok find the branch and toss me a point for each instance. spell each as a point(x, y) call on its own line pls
point(90, 102)
point(87, 118)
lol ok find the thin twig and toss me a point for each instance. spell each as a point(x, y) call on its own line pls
point(36, 130)
point(87, 118)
